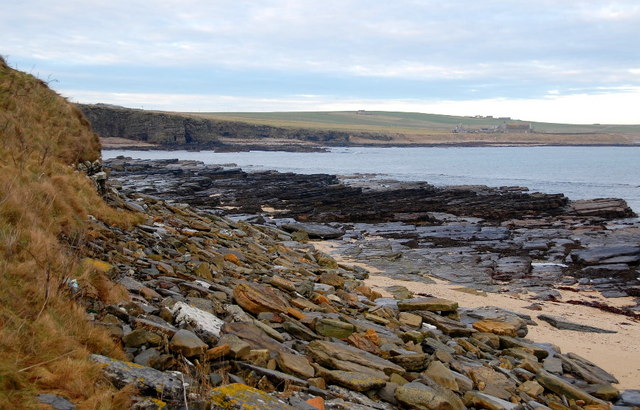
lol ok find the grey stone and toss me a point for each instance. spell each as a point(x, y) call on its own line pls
point(485, 401)
point(187, 343)
point(147, 380)
point(561, 323)
point(419, 396)
point(564, 388)
point(629, 398)
point(145, 357)
point(55, 401)
point(599, 255)
point(314, 230)
point(343, 357)
point(585, 369)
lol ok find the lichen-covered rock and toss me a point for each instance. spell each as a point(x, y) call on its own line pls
point(334, 328)
point(238, 396)
point(141, 337)
point(147, 380)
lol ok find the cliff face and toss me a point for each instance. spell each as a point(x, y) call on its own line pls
point(175, 130)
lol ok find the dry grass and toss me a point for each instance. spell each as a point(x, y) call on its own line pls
point(44, 206)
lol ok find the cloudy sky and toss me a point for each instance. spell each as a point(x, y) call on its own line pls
point(551, 60)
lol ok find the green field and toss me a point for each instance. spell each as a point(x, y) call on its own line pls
point(403, 122)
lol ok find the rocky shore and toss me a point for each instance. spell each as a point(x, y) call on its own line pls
point(231, 306)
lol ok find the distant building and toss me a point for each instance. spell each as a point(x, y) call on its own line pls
point(504, 128)
point(516, 128)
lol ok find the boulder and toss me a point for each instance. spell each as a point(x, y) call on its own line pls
point(56, 402)
point(256, 337)
point(259, 298)
point(431, 304)
point(508, 341)
point(485, 401)
point(140, 337)
point(199, 319)
point(495, 327)
point(586, 370)
point(413, 362)
point(605, 254)
point(419, 396)
point(353, 380)
point(334, 328)
point(564, 388)
point(147, 380)
point(314, 230)
point(410, 319)
point(187, 343)
point(343, 357)
point(447, 326)
point(295, 364)
point(441, 375)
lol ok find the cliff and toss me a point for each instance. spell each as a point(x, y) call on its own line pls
point(171, 129)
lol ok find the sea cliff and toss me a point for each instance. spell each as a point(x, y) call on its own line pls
point(175, 130)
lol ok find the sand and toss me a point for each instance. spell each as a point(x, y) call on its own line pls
point(618, 353)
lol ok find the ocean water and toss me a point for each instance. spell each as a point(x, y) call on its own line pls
point(577, 172)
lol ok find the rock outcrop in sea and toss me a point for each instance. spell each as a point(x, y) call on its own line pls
point(238, 313)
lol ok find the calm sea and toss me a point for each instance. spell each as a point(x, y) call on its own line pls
point(577, 172)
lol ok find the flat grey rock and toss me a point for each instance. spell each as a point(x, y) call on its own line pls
point(561, 323)
point(606, 254)
point(314, 230)
point(55, 401)
point(149, 381)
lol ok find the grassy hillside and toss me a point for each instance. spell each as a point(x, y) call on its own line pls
point(44, 207)
point(434, 128)
point(405, 120)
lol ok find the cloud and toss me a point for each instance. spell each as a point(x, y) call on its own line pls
point(499, 48)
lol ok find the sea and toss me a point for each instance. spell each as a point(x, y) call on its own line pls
point(577, 172)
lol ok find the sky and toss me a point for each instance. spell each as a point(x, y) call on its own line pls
point(573, 61)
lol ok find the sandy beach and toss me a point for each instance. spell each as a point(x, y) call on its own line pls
point(618, 353)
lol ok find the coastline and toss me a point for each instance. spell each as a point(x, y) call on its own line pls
point(616, 353)
point(289, 145)
point(249, 241)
